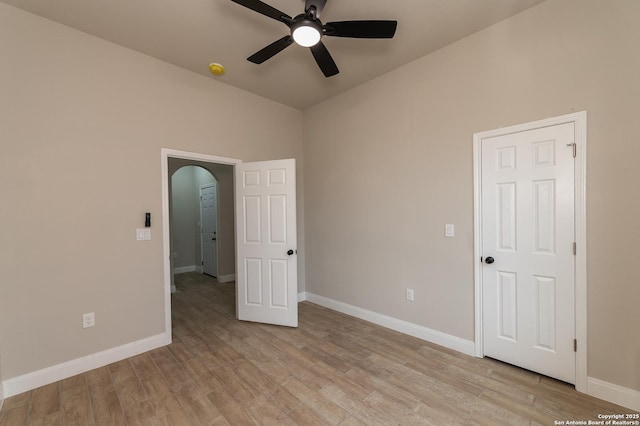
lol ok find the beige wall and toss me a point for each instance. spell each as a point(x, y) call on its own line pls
point(390, 162)
point(83, 122)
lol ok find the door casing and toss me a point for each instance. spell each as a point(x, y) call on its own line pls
point(165, 154)
point(580, 121)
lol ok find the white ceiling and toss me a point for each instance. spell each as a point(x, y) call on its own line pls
point(193, 33)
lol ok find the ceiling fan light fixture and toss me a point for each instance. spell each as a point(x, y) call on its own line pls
point(306, 33)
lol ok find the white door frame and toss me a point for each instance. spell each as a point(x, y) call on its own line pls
point(165, 154)
point(580, 121)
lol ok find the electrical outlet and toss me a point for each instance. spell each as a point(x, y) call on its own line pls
point(88, 320)
point(409, 294)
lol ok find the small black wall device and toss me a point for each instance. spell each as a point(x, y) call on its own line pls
point(147, 220)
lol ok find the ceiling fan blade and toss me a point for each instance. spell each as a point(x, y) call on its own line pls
point(265, 9)
point(361, 29)
point(271, 50)
point(319, 4)
point(324, 60)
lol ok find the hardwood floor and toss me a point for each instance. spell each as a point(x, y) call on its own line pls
point(332, 369)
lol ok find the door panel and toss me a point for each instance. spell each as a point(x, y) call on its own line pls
point(508, 305)
point(545, 289)
point(209, 224)
point(528, 228)
point(267, 286)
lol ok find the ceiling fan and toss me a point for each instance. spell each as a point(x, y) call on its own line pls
point(306, 30)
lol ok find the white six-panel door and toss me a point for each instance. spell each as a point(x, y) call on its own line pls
point(208, 219)
point(527, 247)
point(266, 270)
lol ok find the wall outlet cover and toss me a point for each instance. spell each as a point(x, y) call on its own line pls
point(88, 320)
point(409, 294)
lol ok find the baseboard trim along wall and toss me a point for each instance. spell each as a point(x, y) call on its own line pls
point(226, 278)
point(424, 333)
point(76, 366)
point(183, 269)
point(614, 393)
point(597, 388)
point(193, 268)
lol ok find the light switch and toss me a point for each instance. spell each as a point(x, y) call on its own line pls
point(449, 230)
point(143, 234)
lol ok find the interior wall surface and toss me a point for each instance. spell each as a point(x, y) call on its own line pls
point(81, 163)
point(390, 162)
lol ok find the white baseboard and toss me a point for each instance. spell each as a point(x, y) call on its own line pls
point(71, 368)
point(183, 269)
point(424, 333)
point(226, 278)
point(620, 395)
point(597, 388)
point(199, 269)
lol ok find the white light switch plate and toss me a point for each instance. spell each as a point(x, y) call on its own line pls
point(143, 234)
point(449, 230)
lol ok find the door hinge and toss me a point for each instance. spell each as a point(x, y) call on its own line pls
point(574, 146)
point(575, 345)
point(202, 262)
point(575, 249)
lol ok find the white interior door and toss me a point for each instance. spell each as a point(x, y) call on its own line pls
point(266, 264)
point(528, 249)
point(209, 225)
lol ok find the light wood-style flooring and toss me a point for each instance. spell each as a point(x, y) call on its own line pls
point(333, 369)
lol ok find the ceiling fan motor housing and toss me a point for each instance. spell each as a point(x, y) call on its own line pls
point(306, 32)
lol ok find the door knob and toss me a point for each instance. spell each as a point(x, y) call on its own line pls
point(290, 252)
point(489, 260)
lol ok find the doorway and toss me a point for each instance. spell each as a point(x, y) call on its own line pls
point(523, 213)
point(223, 168)
point(254, 198)
point(187, 224)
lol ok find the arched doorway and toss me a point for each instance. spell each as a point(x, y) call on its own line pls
point(191, 219)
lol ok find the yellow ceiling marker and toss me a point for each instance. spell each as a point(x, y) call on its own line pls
point(216, 69)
